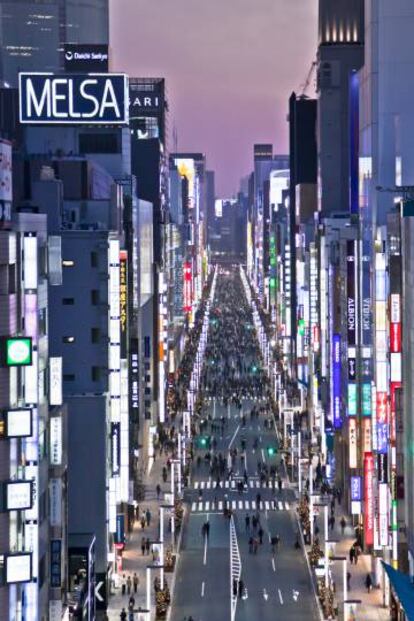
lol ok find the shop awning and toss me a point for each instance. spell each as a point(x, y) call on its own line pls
point(403, 588)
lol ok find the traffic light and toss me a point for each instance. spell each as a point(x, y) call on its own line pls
point(271, 451)
point(203, 442)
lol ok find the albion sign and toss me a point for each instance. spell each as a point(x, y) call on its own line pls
point(90, 99)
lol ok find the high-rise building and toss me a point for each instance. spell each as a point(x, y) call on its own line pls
point(340, 52)
point(33, 32)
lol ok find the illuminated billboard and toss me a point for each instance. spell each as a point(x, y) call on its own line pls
point(186, 168)
point(17, 351)
point(95, 98)
point(19, 495)
point(18, 568)
point(19, 423)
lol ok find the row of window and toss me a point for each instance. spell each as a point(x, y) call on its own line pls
point(94, 261)
point(96, 374)
point(94, 299)
point(95, 337)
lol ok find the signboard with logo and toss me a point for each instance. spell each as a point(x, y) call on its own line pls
point(58, 99)
point(133, 377)
point(353, 455)
point(17, 351)
point(382, 422)
point(19, 423)
point(56, 447)
point(351, 314)
point(85, 58)
point(55, 371)
point(6, 185)
point(18, 496)
point(123, 301)
point(55, 502)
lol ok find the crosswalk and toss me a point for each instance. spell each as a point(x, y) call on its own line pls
point(241, 505)
point(253, 484)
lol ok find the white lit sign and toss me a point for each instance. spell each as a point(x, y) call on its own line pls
point(19, 423)
point(18, 568)
point(56, 441)
point(76, 99)
point(55, 502)
point(30, 261)
point(18, 495)
point(55, 369)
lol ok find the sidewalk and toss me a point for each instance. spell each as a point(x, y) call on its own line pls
point(371, 607)
point(133, 559)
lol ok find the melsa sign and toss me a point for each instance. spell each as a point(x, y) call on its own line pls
point(91, 99)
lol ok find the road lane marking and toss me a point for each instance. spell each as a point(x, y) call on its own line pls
point(247, 504)
point(280, 505)
point(202, 589)
point(280, 597)
point(205, 547)
point(196, 484)
point(240, 504)
point(263, 456)
point(267, 505)
point(207, 506)
point(265, 595)
point(200, 506)
point(273, 564)
point(193, 506)
point(234, 436)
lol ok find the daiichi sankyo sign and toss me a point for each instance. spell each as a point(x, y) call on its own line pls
point(95, 98)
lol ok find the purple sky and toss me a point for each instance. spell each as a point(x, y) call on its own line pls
point(230, 67)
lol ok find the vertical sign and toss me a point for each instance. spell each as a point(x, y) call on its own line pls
point(56, 441)
point(134, 379)
point(336, 380)
point(351, 311)
point(353, 456)
point(123, 301)
point(382, 422)
point(116, 448)
point(369, 499)
point(187, 287)
point(56, 563)
point(55, 371)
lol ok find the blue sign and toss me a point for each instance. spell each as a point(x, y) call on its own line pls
point(91, 99)
point(356, 489)
point(382, 437)
point(336, 380)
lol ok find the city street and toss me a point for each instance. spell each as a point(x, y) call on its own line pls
point(270, 581)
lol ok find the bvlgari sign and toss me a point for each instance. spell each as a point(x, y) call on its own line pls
point(91, 99)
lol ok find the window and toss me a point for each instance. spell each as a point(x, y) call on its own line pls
point(148, 378)
point(68, 263)
point(147, 391)
point(99, 143)
point(94, 297)
point(68, 301)
point(68, 377)
point(68, 339)
point(95, 335)
point(94, 259)
point(147, 347)
point(96, 374)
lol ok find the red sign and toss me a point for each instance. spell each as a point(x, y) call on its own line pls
point(381, 407)
point(395, 338)
point(369, 499)
point(187, 287)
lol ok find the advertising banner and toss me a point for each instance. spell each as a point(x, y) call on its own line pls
point(116, 448)
point(85, 58)
point(353, 454)
point(336, 380)
point(369, 499)
point(123, 301)
point(351, 301)
point(59, 99)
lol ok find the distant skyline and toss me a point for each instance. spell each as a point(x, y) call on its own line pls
point(230, 66)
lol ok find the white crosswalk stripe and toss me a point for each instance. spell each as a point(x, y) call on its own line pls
point(240, 505)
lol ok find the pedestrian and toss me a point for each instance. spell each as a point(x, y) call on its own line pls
point(123, 615)
point(131, 615)
point(147, 545)
point(241, 588)
point(251, 545)
point(255, 545)
point(235, 587)
point(351, 554)
point(332, 522)
point(158, 490)
point(143, 546)
point(148, 516)
point(131, 603)
point(143, 521)
point(343, 524)
point(123, 587)
point(260, 533)
point(135, 581)
point(368, 583)
point(258, 500)
point(129, 585)
point(348, 580)
point(247, 522)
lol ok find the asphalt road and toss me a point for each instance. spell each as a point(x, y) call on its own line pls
point(274, 585)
